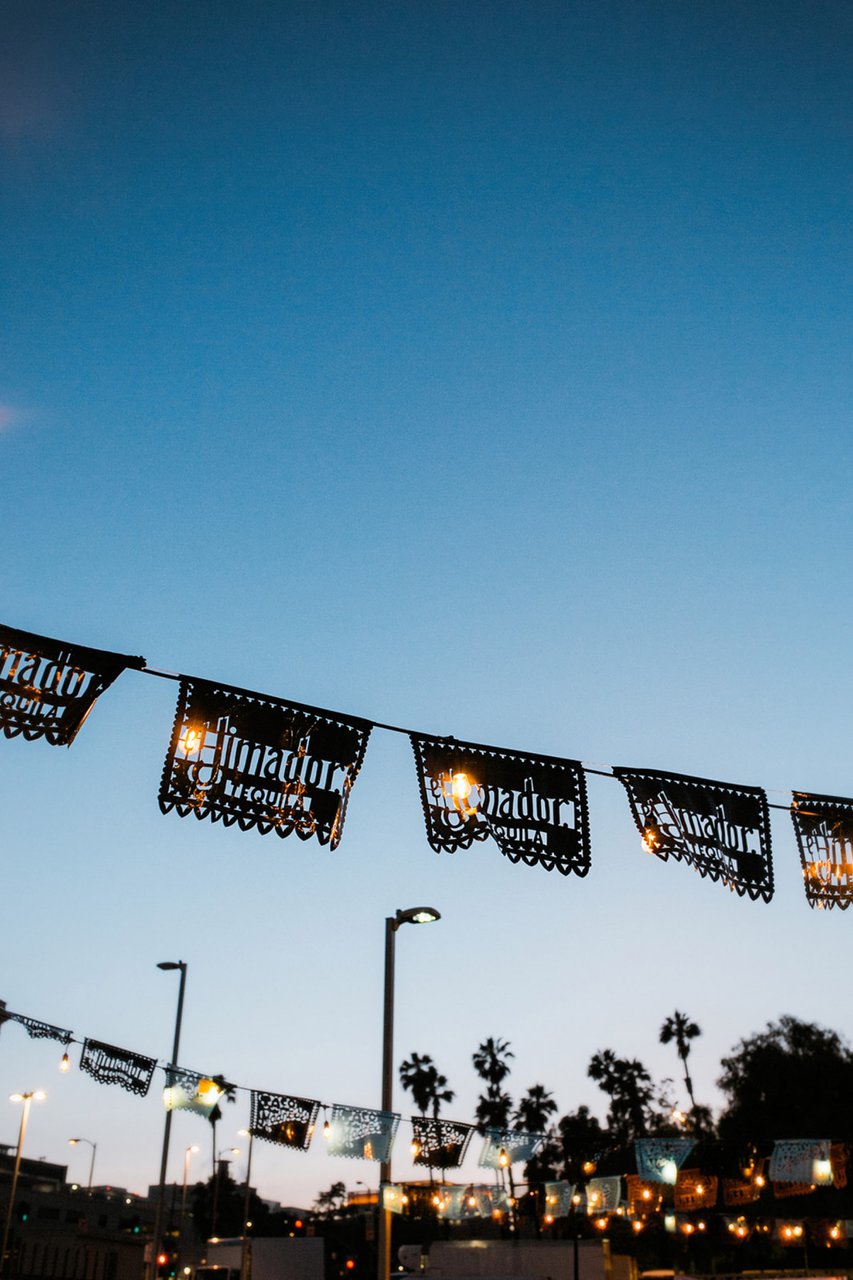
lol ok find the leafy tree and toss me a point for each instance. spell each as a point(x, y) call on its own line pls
point(678, 1027)
point(791, 1079)
point(491, 1062)
point(582, 1138)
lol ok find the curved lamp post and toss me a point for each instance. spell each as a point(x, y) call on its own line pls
point(413, 915)
point(26, 1098)
point(190, 1151)
point(167, 1127)
point(72, 1142)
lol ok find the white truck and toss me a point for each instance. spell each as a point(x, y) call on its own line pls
point(269, 1258)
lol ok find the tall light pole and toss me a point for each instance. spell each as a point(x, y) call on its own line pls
point(414, 915)
point(72, 1142)
point(190, 1151)
point(26, 1099)
point(167, 1127)
point(244, 1250)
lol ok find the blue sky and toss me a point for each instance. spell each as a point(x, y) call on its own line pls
point(481, 368)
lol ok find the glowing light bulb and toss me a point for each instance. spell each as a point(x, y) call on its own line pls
point(327, 1129)
point(191, 740)
point(65, 1063)
point(760, 1180)
point(503, 1158)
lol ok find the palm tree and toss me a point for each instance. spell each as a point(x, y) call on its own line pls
point(629, 1087)
point(534, 1109)
point(491, 1062)
point(679, 1028)
point(439, 1091)
point(417, 1075)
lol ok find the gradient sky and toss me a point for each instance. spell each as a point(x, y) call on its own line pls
point(475, 367)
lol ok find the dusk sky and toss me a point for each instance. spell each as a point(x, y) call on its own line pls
point(477, 367)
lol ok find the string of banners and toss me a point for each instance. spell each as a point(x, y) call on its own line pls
point(361, 1133)
point(792, 1168)
point(259, 762)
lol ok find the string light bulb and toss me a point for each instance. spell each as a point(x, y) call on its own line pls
point(65, 1062)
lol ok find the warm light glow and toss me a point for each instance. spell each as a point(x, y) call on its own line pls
point(700, 1226)
point(327, 1129)
point(503, 1158)
point(601, 1223)
point(651, 836)
point(759, 1180)
point(415, 1148)
point(472, 1203)
point(461, 787)
point(669, 1172)
point(576, 1198)
point(191, 740)
point(678, 1116)
point(700, 1189)
point(835, 1232)
point(647, 1195)
point(549, 1218)
point(65, 1063)
point(688, 1228)
point(822, 1172)
point(588, 1167)
point(638, 1226)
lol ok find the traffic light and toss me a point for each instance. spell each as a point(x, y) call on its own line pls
point(23, 1211)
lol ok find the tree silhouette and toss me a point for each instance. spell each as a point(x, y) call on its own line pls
point(679, 1028)
point(330, 1203)
point(792, 1078)
point(416, 1074)
point(535, 1109)
point(491, 1062)
point(632, 1096)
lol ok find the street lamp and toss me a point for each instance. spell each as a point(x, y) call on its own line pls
point(190, 1151)
point(414, 915)
point(167, 1127)
point(244, 1249)
point(72, 1142)
point(26, 1099)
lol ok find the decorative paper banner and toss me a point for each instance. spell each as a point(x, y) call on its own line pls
point(41, 1030)
point(824, 830)
point(48, 687)
point(805, 1161)
point(276, 766)
point(534, 806)
point(738, 1191)
point(439, 1144)
point(287, 1121)
point(695, 1190)
point(721, 830)
point(508, 1146)
point(190, 1091)
point(393, 1197)
point(110, 1065)
point(361, 1133)
point(603, 1195)
point(787, 1190)
point(643, 1197)
point(838, 1155)
point(457, 1203)
point(659, 1159)
point(558, 1199)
